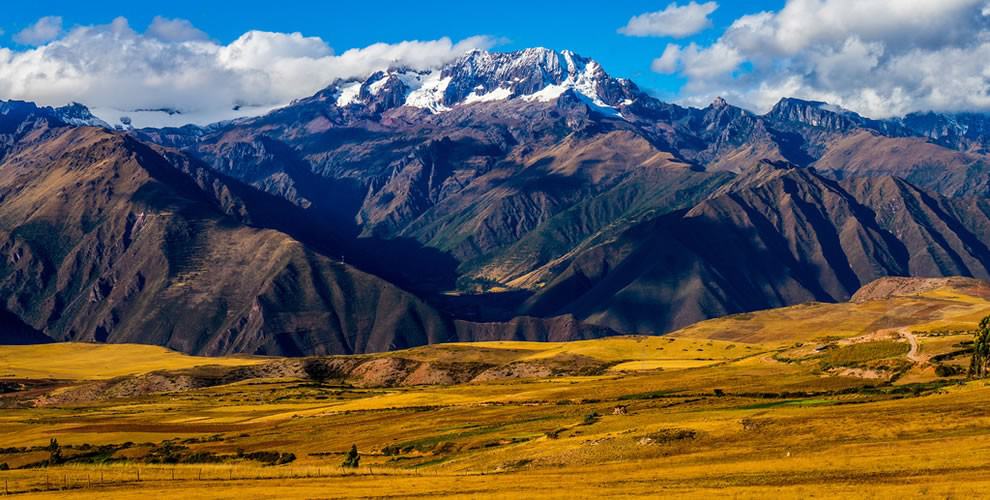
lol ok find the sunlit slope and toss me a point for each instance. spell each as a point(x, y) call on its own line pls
point(952, 307)
point(619, 353)
point(81, 361)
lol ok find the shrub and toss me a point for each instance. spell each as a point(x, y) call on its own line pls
point(4, 466)
point(947, 370)
point(591, 418)
point(54, 452)
point(353, 459)
point(667, 436)
point(317, 371)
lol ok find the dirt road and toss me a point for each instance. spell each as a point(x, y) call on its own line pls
point(914, 354)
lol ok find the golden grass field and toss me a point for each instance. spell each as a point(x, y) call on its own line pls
point(819, 400)
point(77, 361)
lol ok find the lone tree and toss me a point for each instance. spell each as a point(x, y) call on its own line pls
point(979, 366)
point(54, 452)
point(318, 371)
point(353, 459)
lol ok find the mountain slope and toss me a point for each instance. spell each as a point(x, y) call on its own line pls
point(789, 237)
point(106, 241)
point(492, 169)
point(531, 172)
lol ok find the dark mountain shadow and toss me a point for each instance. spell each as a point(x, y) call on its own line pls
point(13, 331)
point(404, 261)
point(792, 147)
point(482, 307)
point(331, 200)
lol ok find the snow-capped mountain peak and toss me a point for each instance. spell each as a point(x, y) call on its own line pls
point(536, 74)
point(78, 114)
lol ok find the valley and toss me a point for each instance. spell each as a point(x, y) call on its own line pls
point(813, 399)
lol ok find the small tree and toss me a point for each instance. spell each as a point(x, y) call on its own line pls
point(317, 371)
point(353, 459)
point(54, 452)
point(979, 366)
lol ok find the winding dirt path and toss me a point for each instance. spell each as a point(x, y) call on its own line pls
point(914, 354)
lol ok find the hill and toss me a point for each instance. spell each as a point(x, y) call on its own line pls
point(106, 241)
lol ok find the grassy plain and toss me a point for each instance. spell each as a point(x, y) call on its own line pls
point(811, 401)
point(78, 361)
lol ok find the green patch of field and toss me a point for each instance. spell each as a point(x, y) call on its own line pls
point(856, 354)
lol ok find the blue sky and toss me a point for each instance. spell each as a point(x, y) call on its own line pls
point(586, 27)
point(880, 58)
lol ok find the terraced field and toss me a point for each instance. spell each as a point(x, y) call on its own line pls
point(797, 402)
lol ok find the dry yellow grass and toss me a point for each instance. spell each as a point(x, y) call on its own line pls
point(77, 361)
point(643, 349)
point(628, 352)
point(905, 447)
point(938, 309)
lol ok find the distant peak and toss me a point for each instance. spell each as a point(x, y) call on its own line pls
point(794, 102)
point(719, 102)
point(532, 74)
point(816, 114)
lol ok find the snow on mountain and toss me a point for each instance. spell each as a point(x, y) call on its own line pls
point(163, 118)
point(348, 93)
point(536, 74)
point(429, 93)
point(499, 94)
point(79, 115)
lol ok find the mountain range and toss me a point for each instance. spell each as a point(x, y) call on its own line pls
point(518, 195)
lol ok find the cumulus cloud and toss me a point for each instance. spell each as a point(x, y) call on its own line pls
point(675, 21)
point(669, 61)
point(45, 29)
point(174, 30)
point(173, 65)
point(877, 57)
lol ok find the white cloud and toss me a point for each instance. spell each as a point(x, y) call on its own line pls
point(674, 21)
point(877, 57)
point(709, 63)
point(45, 29)
point(173, 65)
point(669, 61)
point(174, 30)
